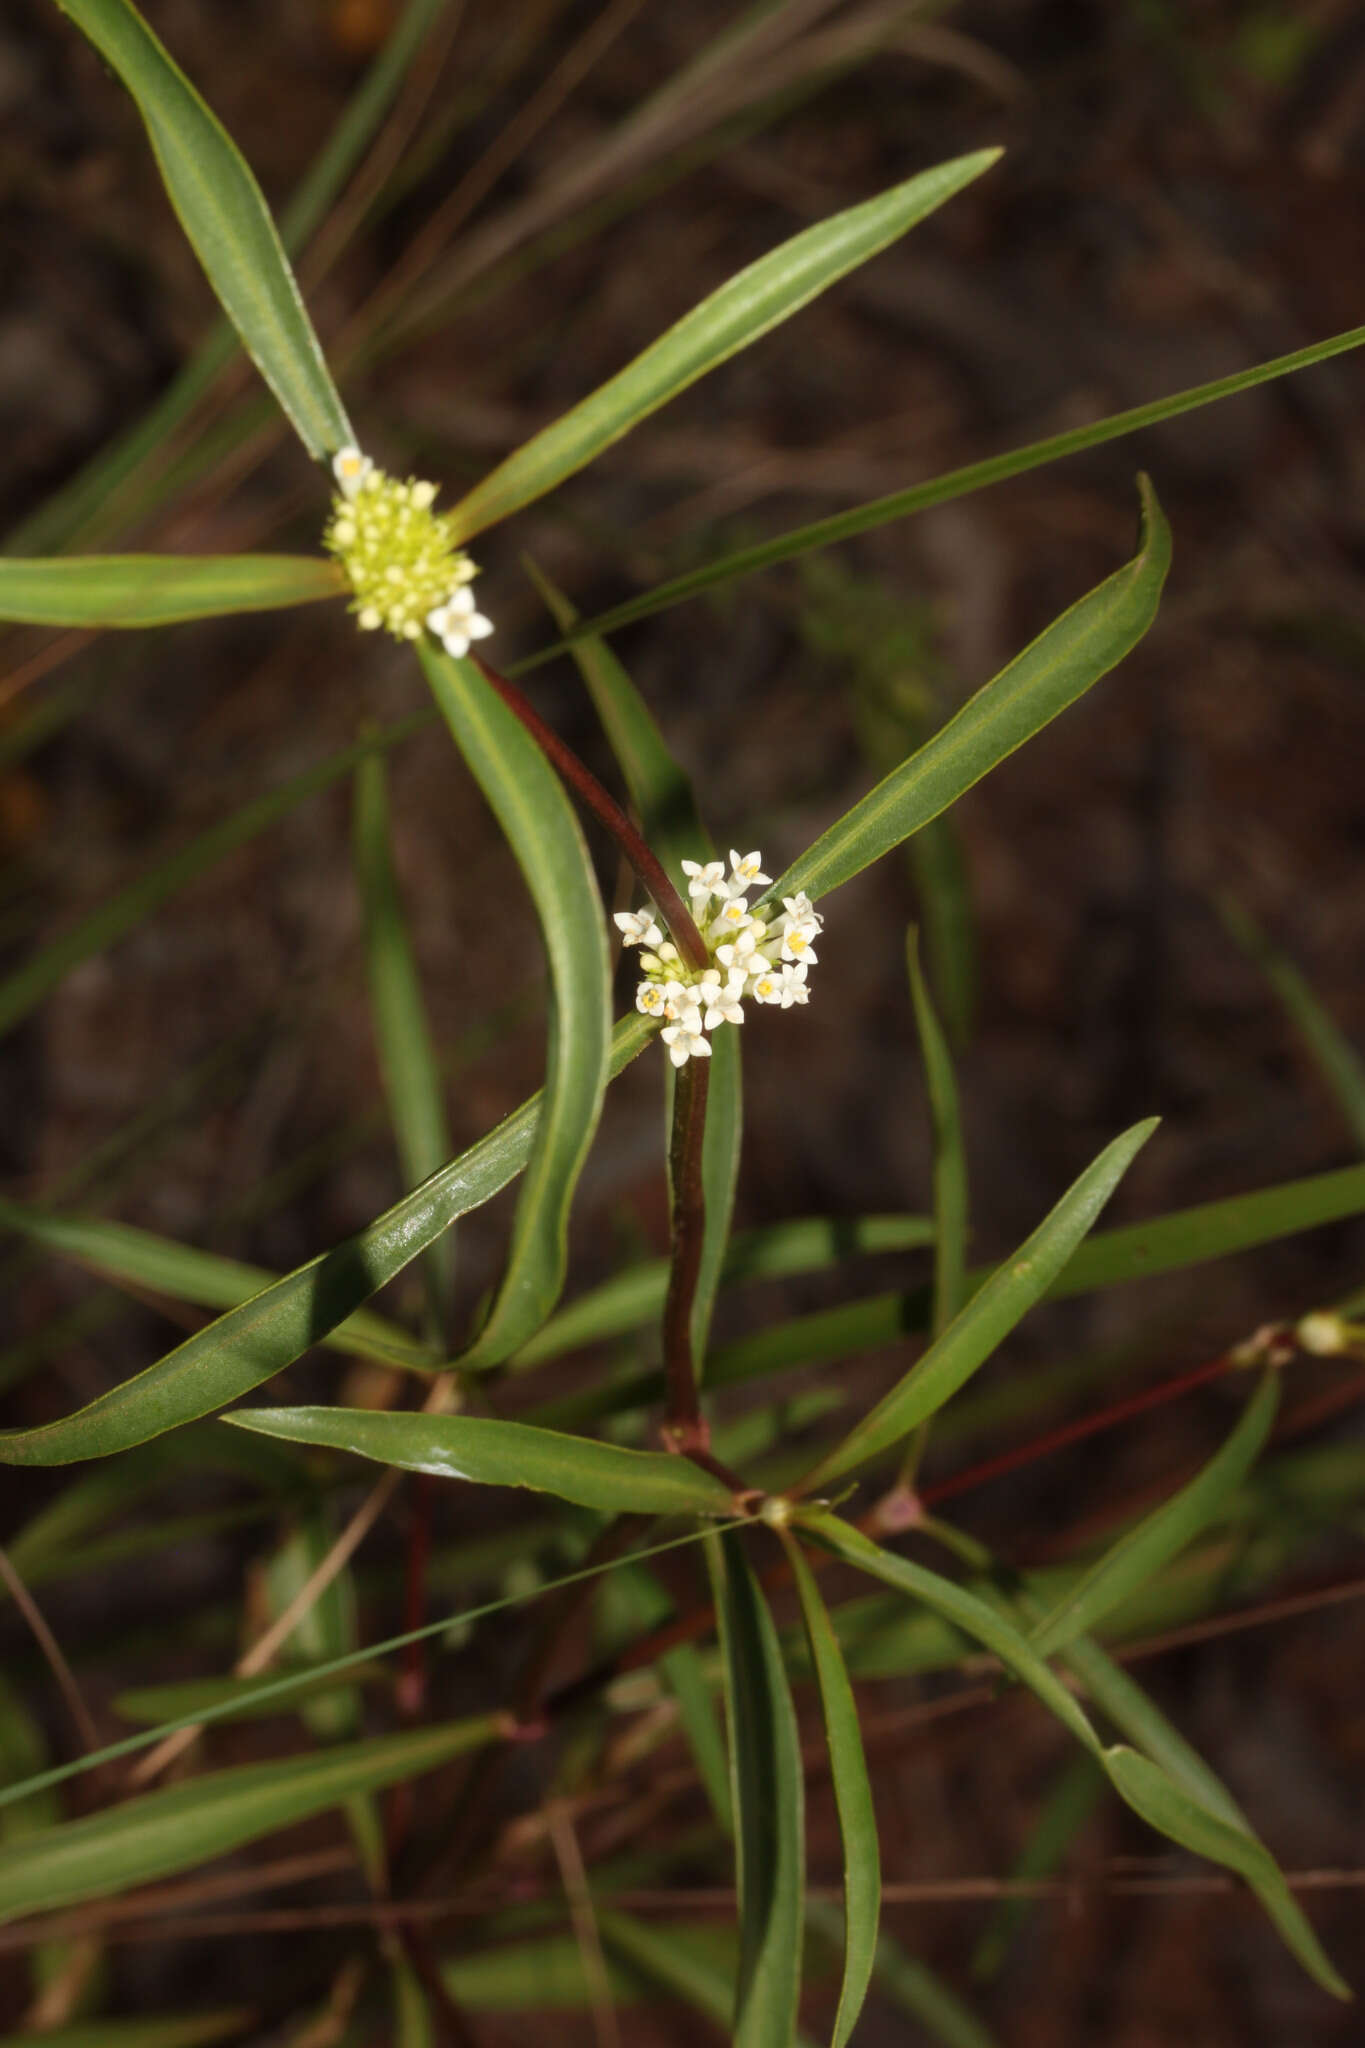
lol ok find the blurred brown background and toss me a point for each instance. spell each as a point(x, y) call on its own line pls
point(1181, 197)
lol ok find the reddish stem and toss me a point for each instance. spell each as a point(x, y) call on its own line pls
point(604, 807)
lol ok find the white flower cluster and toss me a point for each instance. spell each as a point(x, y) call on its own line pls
point(400, 558)
point(765, 961)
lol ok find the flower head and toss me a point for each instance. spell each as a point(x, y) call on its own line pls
point(400, 557)
point(747, 958)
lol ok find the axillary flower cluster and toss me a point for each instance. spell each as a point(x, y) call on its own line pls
point(749, 958)
point(400, 557)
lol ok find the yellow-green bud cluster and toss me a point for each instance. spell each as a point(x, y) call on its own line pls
point(398, 555)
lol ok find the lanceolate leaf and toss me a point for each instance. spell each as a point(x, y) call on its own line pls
point(529, 803)
point(188, 1824)
point(768, 292)
point(989, 1316)
point(767, 1794)
point(1139, 1555)
point(852, 1796)
point(720, 1175)
point(488, 1453)
point(136, 1257)
point(1062, 663)
point(252, 1343)
point(1184, 1819)
point(158, 590)
point(223, 213)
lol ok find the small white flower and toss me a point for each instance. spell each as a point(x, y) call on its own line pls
point(794, 988)
point(350, 468)
point(686, 1039)
point(704, 882)
point(455, 622)
point(800, 908)
point(680, 1003)
point(746, 871)
point(721, 999)
point(637, 928)
point(733, 918)
point(741, 955)
point(799, 928)
point(649, 999)
point(766, 986)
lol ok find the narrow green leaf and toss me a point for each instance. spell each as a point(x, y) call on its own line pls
point(188, 1824)
point(1333, 1054)
point(1174, 1813)
point(1140, 1554)
point(252, 1343)
point(168, 2030)
point(1059, 666)
point(530, 805)
point(407, 1057)
point(852, 1796)
point(990, 1315)
point(595, 1475)
point(94, 496)
point(809, 1244)
point(1123, 1701)
point(964, 1610)
point(159, 590)
point(957, 483)
point(226, 219)
point(950, 1162)
point(751, 303)
point(660, 791)
point(140, 1259)
point(21, 992)
point(767, 1793)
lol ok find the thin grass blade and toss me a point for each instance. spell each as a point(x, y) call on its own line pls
point(159, 590)
point(913, 1986)
point(1060, 666)
point(185, 1825)
point(767, 1795)
point(1145, 1550)
point(989, 1316)
point(252, 1343)
point(530, 805)
point(751, 303)
point(594, 1475)
point(956, 483)
point(852, 1796)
